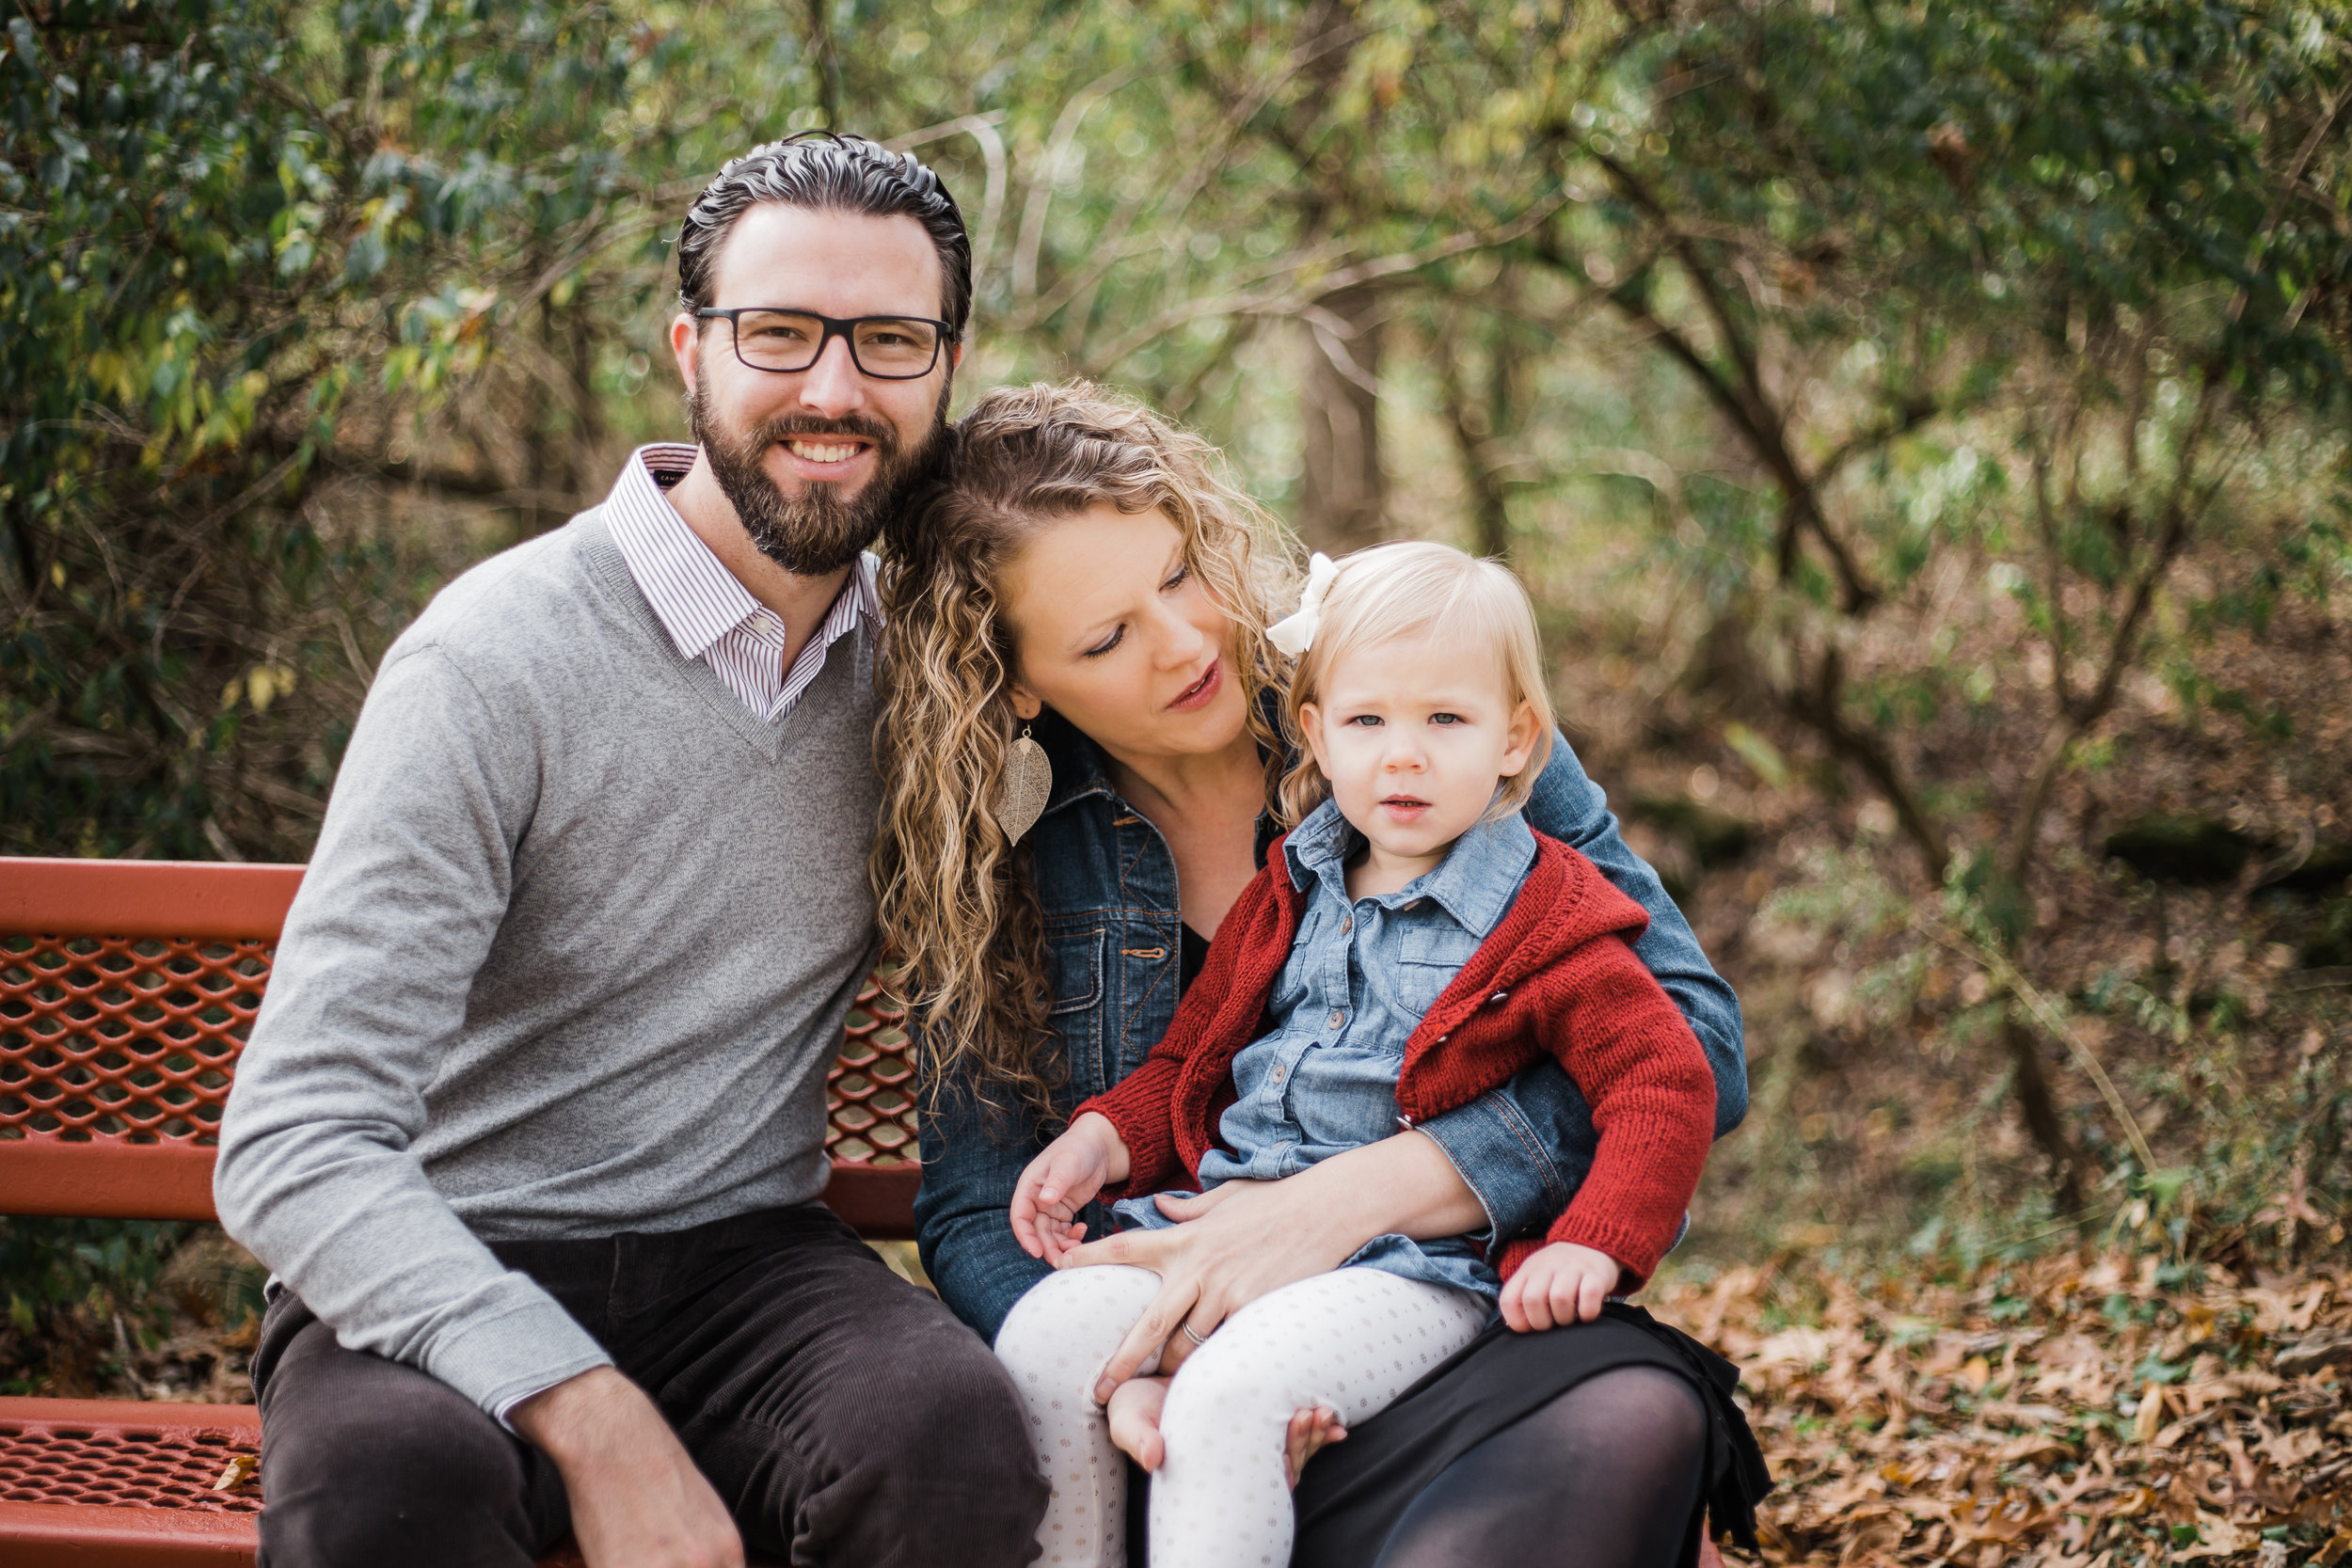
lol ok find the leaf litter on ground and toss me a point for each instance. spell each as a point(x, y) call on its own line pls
point(2061, 1413)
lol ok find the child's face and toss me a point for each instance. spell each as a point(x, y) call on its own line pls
point(1414, 739)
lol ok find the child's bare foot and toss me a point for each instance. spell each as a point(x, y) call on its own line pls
point(1134, 1417)
point(1311, 1431)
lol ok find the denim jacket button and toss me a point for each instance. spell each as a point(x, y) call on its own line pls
point(1336, 1019)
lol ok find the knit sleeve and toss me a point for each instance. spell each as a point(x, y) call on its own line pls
point(1632, 1052)
point(1142, 1107)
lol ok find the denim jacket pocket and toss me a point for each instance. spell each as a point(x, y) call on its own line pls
point(1073, 959)
point(1074, 962)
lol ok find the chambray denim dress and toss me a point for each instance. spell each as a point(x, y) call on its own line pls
point(1359, 976)
point(1105, 884)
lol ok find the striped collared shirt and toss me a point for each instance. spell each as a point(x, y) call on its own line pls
point(707, 610)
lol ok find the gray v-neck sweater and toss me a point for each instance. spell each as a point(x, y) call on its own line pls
point(571, 959)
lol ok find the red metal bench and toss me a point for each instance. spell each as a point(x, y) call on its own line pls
point(126, 991)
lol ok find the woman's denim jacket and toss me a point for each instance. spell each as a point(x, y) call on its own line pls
point(1107, 885)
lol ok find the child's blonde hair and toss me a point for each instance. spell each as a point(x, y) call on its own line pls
point(1416, 589)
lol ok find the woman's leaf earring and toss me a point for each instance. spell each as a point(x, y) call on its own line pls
point(1028, 779)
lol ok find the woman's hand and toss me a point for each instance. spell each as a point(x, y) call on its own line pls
point(1563, 1283)
point(1244, 1239)
point(1063, 1180)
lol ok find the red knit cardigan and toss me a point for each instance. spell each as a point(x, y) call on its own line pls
point(1557, 974)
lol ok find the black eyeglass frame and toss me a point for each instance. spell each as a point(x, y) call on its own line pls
point(835, 326)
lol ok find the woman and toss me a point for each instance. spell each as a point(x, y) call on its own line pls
point(1083, 580)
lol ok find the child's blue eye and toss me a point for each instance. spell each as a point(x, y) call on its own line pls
point(1367, 719)
point(1446, 719)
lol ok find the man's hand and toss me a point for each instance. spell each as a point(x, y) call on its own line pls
point(1563, 1283)
point(637, 1499)
point(1062, 1181)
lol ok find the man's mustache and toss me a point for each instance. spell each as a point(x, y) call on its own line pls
point(885, 439)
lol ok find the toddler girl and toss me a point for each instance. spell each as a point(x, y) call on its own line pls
point(1410, 945)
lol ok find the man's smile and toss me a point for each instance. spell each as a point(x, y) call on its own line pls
point(824, 456)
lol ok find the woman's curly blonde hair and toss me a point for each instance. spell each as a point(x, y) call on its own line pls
point(955, 898)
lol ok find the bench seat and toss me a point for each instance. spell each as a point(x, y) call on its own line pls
point(127, 989)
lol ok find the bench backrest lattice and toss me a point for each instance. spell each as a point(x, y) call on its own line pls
point(128, 988)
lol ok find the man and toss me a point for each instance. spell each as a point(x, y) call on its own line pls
point(530, 1126)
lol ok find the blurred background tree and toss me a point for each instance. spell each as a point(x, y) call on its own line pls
point(1923, 427)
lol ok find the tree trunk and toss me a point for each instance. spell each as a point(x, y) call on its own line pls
point(2040, 1109)
point(1342, 495)
point(1480, 431)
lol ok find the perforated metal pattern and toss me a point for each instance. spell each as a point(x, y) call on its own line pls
point(871, 1111)
point(94, 1468)
point(120, 1040)
point(104, 1040)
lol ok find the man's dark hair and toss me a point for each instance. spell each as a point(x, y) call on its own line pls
point(825, 172)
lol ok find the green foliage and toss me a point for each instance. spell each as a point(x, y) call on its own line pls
point(235, 264)
point(70, 1281)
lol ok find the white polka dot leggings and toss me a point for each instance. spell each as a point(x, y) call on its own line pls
point(1352, 1341)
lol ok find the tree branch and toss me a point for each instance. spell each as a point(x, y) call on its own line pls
point(1822, 709)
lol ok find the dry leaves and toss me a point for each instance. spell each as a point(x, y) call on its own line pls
point(2059, 1414)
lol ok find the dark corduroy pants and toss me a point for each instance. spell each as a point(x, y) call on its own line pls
point(843, 1416)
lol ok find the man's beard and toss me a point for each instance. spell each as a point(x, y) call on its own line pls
point(818, 532)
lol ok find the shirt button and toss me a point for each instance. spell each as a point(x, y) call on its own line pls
point(1280, 1072)
point(1347, 926)
point(1336, 1019)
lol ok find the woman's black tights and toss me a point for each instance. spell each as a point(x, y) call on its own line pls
point(1605, 1475)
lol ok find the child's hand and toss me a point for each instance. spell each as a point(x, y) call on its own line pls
point(1564, 1283)
point(1062, 1181)
point(1135, 1419)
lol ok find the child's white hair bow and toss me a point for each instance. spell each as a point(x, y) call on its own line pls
point(1295, 634)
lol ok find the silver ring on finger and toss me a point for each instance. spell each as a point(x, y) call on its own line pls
point(1186, 1329)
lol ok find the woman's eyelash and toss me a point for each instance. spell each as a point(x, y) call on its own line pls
point(1120, 635)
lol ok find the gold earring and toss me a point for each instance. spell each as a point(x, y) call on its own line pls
point(1028, 779)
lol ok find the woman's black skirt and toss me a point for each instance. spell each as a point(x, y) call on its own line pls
point(1354, 1493)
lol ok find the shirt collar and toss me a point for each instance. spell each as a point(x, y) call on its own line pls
point(1081, 771)
point(694, 596)
point(1474, 883)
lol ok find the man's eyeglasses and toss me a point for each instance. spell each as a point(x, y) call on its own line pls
point(888, 348)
